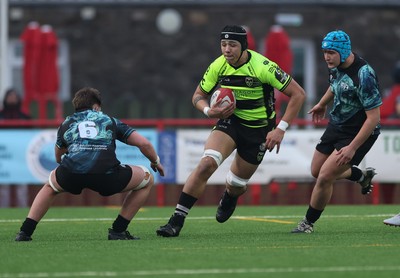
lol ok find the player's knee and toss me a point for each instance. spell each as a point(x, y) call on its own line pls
point(52, 184)
point(236, 181)
point(148, 179)
point(314, 172)
point(215, 155)
point(209, 163)
point(325, 178)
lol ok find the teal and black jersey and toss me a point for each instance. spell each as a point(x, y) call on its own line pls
point(253, 84)
point(355, 90)
point(89, 137)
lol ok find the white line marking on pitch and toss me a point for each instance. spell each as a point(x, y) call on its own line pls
point(241, 217)
point(158, 273)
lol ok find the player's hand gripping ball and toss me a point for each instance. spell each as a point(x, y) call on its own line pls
point(225, 95)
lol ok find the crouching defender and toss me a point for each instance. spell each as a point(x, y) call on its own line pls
point(85, 150)
point(249, 127)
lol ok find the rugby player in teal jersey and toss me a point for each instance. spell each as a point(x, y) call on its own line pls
point(353, 127)
point(249, 127)
point(85, 149)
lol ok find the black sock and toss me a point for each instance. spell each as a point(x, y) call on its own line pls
point(185, 203)
point(356, 174)
point(29, 226)
point(230, 197)
point(120, 224)
point(313, 214)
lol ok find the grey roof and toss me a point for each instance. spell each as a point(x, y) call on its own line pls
point(204, 2)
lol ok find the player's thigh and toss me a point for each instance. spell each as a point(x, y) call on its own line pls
point(221, 142)
point(54, 183)
point(141, 177)
point(317, 161)
point(330, 170)
point(363, 150)
point(242, 168)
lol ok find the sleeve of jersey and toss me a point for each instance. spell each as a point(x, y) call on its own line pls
point(123, 131)
point(210, 77)
point(276, 77)
point(60, 143)
point(369, 94)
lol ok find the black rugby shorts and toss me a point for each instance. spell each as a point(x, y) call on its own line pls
point(104, 184)
point(250, 142)
point(333, 139)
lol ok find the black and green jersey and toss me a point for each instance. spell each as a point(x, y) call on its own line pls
point(253, 84)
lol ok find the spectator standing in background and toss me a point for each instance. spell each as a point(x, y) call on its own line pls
point(11, 110)
point(12, 107)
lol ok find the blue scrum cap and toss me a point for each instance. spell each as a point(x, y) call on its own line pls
point(338, 41)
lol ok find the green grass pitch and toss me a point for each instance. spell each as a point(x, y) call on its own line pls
point(349, 241)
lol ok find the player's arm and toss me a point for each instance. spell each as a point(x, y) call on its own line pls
point(297, 96)
point(60, 147)
point(327, 97)
point(59, 152)
point(147, 149)
point(318, 112)
point(200, 102)
point(346, 153)
point(373, 118)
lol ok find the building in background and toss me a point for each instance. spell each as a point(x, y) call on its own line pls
point(119, 46)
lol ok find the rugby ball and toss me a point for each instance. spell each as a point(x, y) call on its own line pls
point(226, 95)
